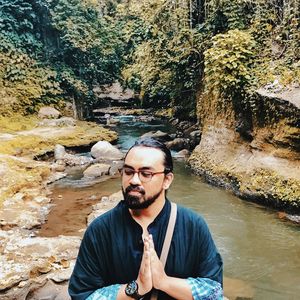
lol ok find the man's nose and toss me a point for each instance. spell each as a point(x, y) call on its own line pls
point(135, 179)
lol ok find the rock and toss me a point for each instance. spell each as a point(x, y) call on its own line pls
point(97, 170)
point(116, 167)
point(114, 121)
point(182, 154)
point(25, 214)
point(146, 119)
point(75, 160)
point(62, 122)
point(25, 261)
point(114, 92)
point(48, 113)
point(10, 282)
point(293, 218)
point(61, 275)
point(195, 137)
point(113, 170)
point(58, 167)
point(104, 205)
point(190, 129)
point(105, 150)
point(174, 121)
point(49, 291)
point(66, 121)
point(177, 144)
point(159, 135)
point(55, 176)
point(184, 125)
point(116, 197)
point(59, 152)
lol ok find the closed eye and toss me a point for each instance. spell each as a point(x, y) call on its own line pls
point(146, 174)
point(128, 172)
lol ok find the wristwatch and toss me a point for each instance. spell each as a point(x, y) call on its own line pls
point(132, 290)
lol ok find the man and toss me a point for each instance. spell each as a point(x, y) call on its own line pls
point(119, 254)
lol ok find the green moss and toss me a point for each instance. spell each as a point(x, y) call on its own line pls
point(20, 175)
point(269, 184)
point(17, 122)
point(263, 185)
point(33, 144)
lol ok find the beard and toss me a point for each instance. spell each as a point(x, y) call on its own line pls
point(138, 202)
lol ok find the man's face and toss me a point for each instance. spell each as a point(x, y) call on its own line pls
point(139, 194)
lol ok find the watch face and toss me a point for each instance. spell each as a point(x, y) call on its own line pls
point(131, 288)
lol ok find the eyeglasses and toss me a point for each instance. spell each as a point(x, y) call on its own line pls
point(144, 175)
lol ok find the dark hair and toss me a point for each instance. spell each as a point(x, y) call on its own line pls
point(153, 143)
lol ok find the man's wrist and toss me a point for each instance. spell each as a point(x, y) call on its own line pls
point(141, 289)
point(132, 290)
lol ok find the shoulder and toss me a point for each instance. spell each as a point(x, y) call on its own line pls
point(191, 219)
point(189, 214)
point(193, 225)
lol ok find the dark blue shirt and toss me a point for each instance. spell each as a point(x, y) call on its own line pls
point(112, 249)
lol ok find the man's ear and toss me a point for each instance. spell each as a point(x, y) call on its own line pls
point(168, 180)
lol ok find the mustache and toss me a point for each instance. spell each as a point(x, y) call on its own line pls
point(135, 189)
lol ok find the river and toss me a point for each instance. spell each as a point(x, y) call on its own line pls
point(261, 252)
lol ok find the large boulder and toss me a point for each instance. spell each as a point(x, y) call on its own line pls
point(159, 135)
point(106, 151)
point(96, 170)
point(48, 112)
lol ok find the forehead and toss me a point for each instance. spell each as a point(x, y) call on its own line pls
point(140, 157)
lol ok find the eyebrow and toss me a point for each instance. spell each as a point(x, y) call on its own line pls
point(143, 168)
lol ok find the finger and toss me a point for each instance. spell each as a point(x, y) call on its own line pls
point(147, 263)
point(151, 243)
point(146, 248)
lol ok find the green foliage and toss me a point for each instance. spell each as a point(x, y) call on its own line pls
point(52, 50)
point(60, 49)
point(168, 43)
point(228, 63)
point(24, 83)
point(164, 58)
point(90, 43)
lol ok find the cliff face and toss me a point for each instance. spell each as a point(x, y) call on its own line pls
point(252, 148)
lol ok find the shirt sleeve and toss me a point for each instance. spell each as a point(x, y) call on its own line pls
point(106, 293)
point(210, 261)
point(205, 289)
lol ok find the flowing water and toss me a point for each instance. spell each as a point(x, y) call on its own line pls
point(261, 252)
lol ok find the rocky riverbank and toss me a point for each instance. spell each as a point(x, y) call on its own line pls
point(36, 267)
point(256, 152)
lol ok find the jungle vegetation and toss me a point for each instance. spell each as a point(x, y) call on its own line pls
point(52, 51)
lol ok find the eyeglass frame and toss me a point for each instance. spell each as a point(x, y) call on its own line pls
point(165, 171)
